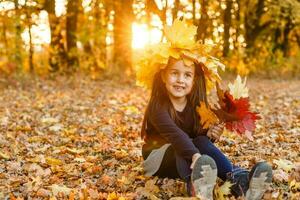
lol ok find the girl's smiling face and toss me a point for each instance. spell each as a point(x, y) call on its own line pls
point(179, 79)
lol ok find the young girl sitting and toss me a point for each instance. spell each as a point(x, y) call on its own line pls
point(176, 145)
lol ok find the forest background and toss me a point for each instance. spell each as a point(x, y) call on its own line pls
point(260, 37)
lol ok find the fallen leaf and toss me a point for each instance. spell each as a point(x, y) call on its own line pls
point(286, 165)
point(105, 179)
point(4, 156)
point(60, 189)
point(49, 120)
point(296, 173)
point(222, 191)
point(149, 190)
point(75, 151)
point(294, 185)
point(56, 127)
point(53, 161)
point(72, 195)
point(119, 154)
point(280, 175)
point(81, 160)
point(114, 196)
point(43, 193)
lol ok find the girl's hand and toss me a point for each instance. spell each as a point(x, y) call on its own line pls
point(216, 131)
point(194, 158)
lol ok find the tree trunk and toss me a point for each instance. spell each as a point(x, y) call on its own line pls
point(95, 46)
point(18, 39)
point(57, 55)
point(123, 36)
point(164, 16)
point(5, 37)
point(203, 22)
point(227, 25)
point(238, 23)
point(148, 15)
point(71, 29)
point(276, 40)
point(281, 36)
point(253, 27)
point(286, 32)
point(298, 39)
point(151, 6)
point(175, 9)
point(31, 50)
point(194, 11)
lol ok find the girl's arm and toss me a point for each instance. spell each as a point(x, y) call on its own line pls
point(164, 124)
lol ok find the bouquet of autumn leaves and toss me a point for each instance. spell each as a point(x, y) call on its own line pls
point(233, 110)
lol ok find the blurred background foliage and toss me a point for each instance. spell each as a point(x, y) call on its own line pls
point(102, 37)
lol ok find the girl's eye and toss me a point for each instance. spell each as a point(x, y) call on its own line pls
point(174, 73)
point(188, 75)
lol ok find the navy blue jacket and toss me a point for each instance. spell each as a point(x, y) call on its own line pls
point(162, 129)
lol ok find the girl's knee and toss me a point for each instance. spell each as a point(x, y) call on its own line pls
point(203, 143)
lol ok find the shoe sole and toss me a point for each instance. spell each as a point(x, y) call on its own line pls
point(204, 176)
point(260, 181)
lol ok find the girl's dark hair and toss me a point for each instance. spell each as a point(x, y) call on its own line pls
point(159, 97)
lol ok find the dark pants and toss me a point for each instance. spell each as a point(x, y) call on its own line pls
point(174, 166)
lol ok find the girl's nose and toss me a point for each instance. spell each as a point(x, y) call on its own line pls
point(180, 78)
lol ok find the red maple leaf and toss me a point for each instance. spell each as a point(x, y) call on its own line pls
point(235, 113)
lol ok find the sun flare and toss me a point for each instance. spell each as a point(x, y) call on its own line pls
point(142, 36)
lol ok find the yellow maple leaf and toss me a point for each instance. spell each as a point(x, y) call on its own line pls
point(180, 34)
point(207, 117)
point(150, 62)
point(238, 89)
point(222, 191)
point(150, 189)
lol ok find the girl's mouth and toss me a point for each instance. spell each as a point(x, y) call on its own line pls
point(178, 88)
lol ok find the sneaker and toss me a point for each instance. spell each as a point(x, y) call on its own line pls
point(239, 178)
point(203, 177)
point(260, 179)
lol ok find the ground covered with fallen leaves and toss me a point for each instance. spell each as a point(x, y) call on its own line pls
point(76, 138)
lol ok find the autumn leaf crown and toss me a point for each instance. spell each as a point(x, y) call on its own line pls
point(180, 44)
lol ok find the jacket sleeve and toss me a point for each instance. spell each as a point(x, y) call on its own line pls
point(164, 124)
